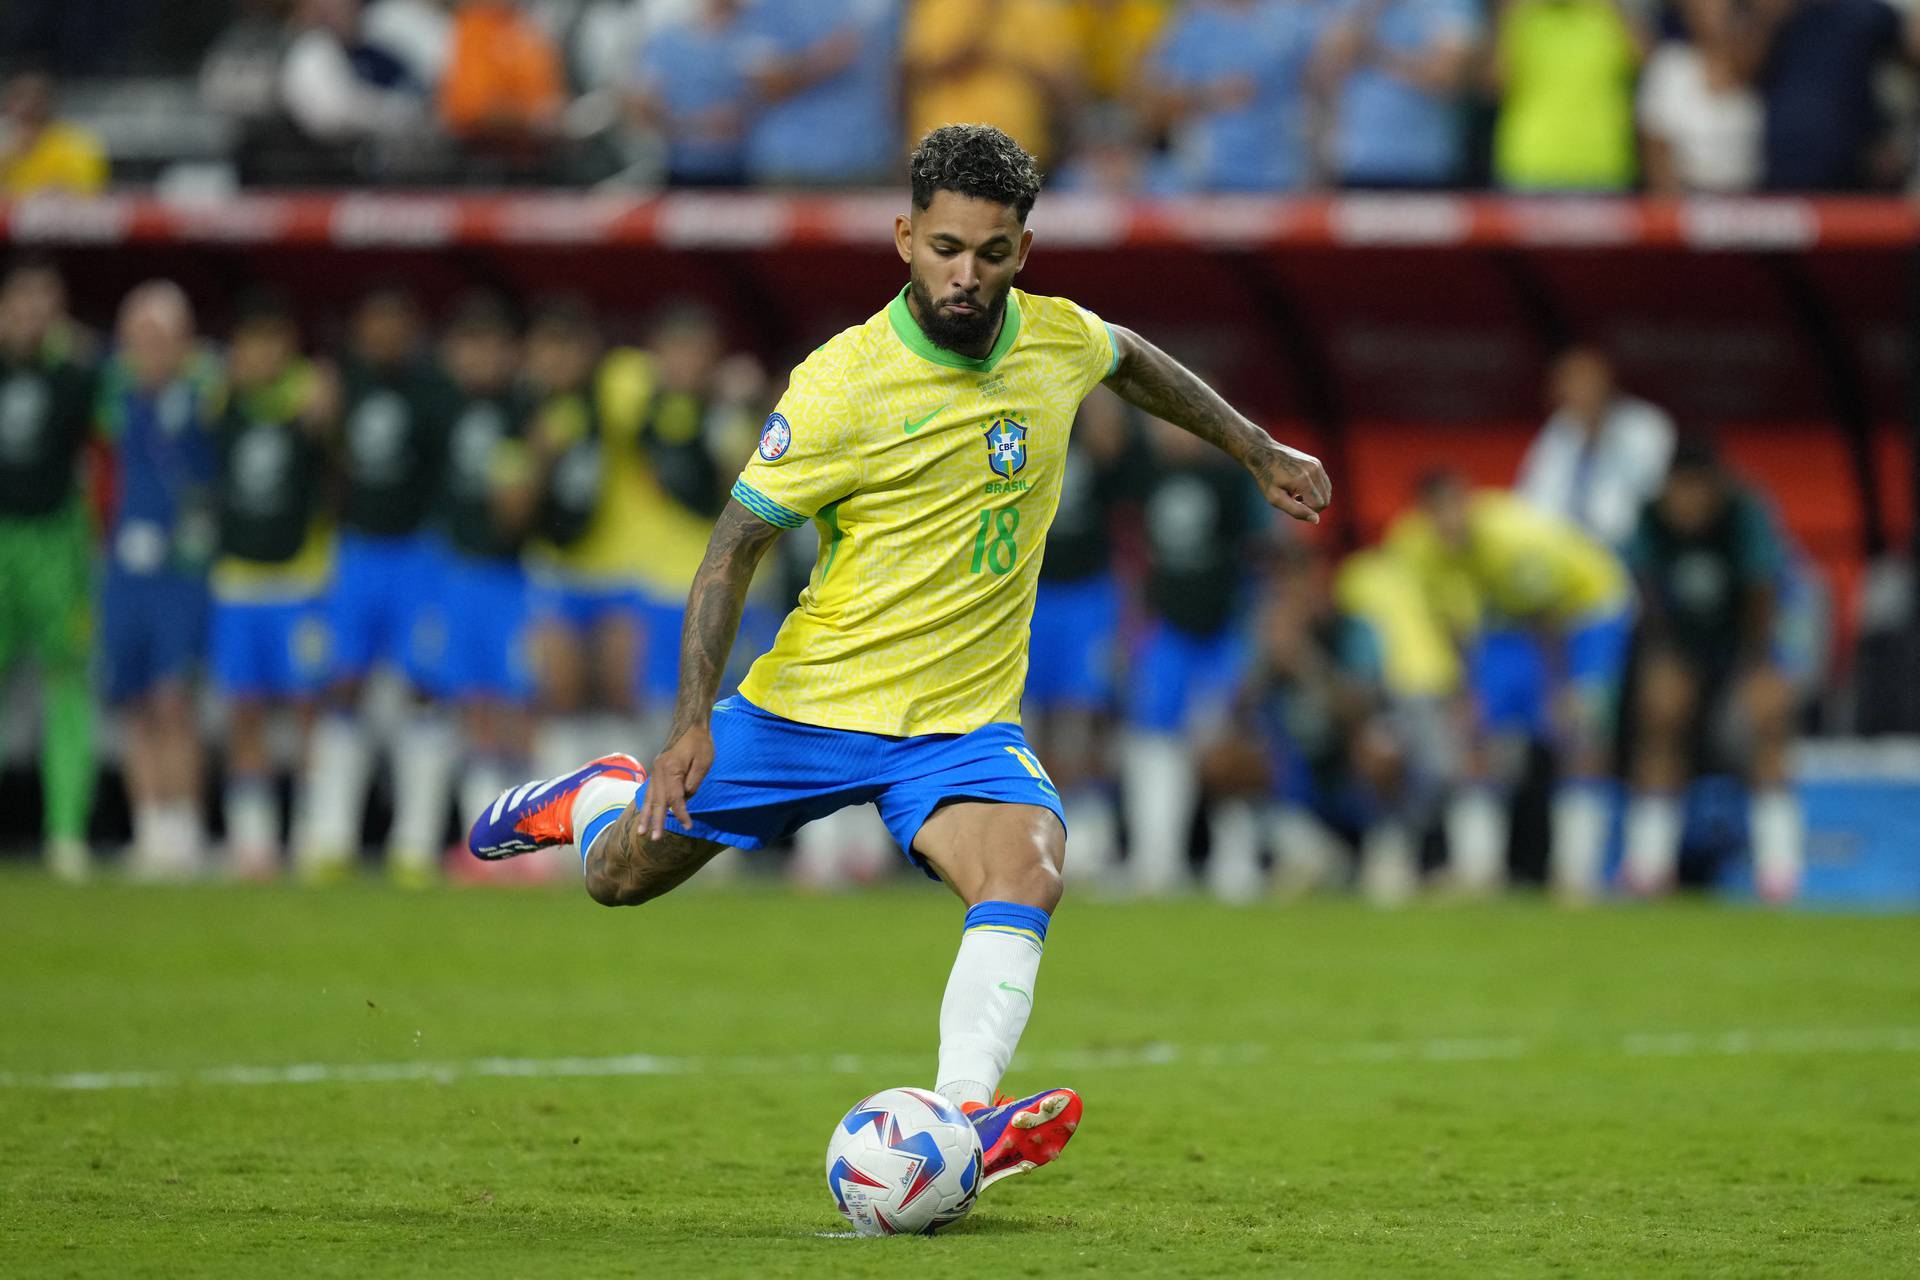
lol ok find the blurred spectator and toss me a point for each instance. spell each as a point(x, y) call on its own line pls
point(1108, 158)
point(1071, 661)
point(240, 75)
point(1009, 63)
point(1699, 116)
point(1815, 63)
point(1312, 743)
point(340, 90)
point(1602, 453)
point(503, 82)
point(1542, 613)
point(1707, 672)
point(416, 33)
point(159, 400)
point(1564, 70)
point(1203, 520)
point(813, 68)
point(487, 500)
point(691, 87)
point(700, 421)
point(1116, 37)
point(39, 153)
point(587, 605)
point(47, 391)
point(269, 651)
point(1398, 68)
point(396, 413)
point(1229, 87)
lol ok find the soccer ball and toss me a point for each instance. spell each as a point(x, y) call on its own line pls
point(903, 1162)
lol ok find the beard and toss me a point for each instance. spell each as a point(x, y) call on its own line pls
point(957, 332)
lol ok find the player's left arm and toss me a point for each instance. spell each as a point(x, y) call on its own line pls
point(1153, 381)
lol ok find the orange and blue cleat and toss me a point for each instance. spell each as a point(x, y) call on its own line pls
point(539, 814)
point(1024, 1134)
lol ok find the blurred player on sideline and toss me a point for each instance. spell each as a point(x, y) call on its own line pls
point(1707, 671)
point(1076, 626)
point(396, 411)
point(585, 559)
point(928, 445)
point(160, 397)
point(276, 553)
point(1203, 521)
point(47, 391)
point(487, 500)
point(1510, 581)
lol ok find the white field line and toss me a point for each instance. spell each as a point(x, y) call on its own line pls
point(1639, 1044)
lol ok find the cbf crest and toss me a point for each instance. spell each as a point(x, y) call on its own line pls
point(1006, 448)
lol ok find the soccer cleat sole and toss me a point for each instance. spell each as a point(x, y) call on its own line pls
point(1039, 1135)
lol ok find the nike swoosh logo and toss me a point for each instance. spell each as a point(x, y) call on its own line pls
point(914, 424)
point(1008, 986)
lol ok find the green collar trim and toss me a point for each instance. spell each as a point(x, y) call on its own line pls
point(908, 330)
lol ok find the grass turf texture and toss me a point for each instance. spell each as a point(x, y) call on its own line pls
point(1463, 1090)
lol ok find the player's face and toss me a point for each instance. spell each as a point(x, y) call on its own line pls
point(558, 359)
point(154, 341)
point(962, 255)
point(386, 330)
point(686, 356)
point(1690, 500)
point(1446, 506)
point(480, 361)
point(259, 353)
point(30, 305)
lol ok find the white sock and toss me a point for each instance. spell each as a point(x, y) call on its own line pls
point(253, 823)
point(180, 840)
point(1093, 836)
point(1778, 836)
point(1477, 825)
point(422, 776)
point(1579, 827)
point(148, 822)
point(1307, 855)
point(1233, 859)
point(1389, 864)
point(989, 997)
point(333, 795)
point(600, 801)
point(1161, 791)
point(1651, 860)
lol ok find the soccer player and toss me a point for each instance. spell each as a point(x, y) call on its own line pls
point(269, 648)
point(927, 444)
point(1509, 580)
point(397, 411)
point(1708, 669)
point(47, 391)
point(159, 399)
point(486, 506)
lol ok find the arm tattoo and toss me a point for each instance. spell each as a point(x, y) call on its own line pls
point(1150, 379)
point(719, 593)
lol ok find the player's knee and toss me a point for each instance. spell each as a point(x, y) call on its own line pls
point(1029, 870)
point(621, 887)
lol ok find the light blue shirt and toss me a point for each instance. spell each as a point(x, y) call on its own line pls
point(1261, 146)
point(842, 129)
point(692, 67)
point(1389, 131)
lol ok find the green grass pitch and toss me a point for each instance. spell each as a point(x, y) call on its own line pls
point(519, 1083)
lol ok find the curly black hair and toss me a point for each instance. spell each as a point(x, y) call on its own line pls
point(975, 160)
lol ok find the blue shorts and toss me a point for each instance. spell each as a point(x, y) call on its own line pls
point(153, 628)
point(771, 776)
point(269, 649)
point(1070, 656)
point(484, 607)
point(1178, 676)
point(1511, 682)
point(581, 606)
point(382, 608)
point(660, 647)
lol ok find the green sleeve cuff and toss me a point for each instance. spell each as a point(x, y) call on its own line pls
point(766, 508)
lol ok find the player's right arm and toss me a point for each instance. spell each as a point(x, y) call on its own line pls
point(714, 603)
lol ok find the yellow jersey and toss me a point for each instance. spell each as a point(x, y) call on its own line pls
point(1521, 564)
point(932, 478)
